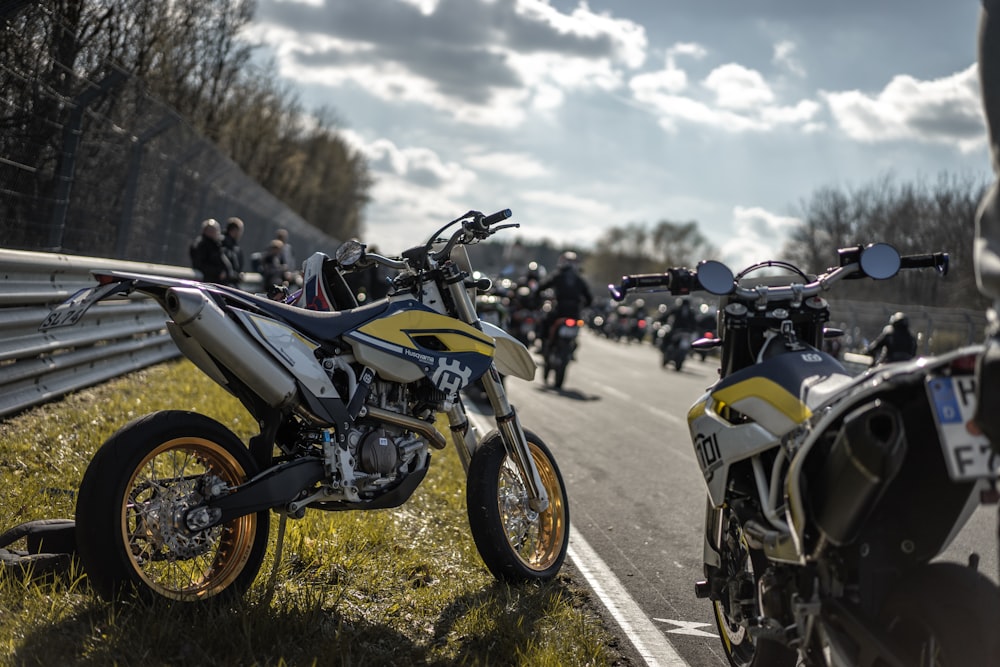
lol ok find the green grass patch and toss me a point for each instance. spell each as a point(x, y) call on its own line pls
point(386, 587)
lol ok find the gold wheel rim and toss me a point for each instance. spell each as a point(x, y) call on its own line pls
point(536, 537)
point(176, 565)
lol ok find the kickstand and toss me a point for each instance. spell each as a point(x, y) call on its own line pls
point(271, 581)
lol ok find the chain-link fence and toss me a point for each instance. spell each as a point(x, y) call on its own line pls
point(101, 168)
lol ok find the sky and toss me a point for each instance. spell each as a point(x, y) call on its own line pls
point(582, 116)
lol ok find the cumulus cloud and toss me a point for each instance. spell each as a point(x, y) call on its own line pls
point(758, 236)
point(945, 111)
point(480, 61)
point(740, 100)
point(737, 87)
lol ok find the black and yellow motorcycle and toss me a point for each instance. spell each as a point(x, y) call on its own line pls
point(175, 505)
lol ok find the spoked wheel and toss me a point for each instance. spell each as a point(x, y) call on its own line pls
point(944, 615)
point(516, 543)
point(129, 513)
point(743, 568)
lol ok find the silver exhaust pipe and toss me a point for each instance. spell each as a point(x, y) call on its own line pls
point(200, 318)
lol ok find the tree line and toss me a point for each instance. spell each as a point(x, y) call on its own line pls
point(190, 55)
point(916, 217)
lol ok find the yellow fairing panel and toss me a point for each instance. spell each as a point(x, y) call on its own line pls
point(402, 327)
point(766, 402)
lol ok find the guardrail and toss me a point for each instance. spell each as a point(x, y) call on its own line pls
point(112, 339)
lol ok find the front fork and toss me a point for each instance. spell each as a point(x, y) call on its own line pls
point(510, 428)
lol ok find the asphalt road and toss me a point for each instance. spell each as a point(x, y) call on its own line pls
point(619, 434)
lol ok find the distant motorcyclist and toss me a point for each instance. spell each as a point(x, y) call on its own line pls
point(682, 320)
point(895, 343)
point(572, 294)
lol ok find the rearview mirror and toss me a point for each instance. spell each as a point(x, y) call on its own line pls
point(715, 277)
point(350, 253)
point(880, 261)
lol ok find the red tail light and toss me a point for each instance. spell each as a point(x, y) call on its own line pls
point(571, 322)
point(964, 365)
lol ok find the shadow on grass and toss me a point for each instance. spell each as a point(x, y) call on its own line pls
point(168, 633)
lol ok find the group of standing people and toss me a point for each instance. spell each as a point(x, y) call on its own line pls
point(218, 257)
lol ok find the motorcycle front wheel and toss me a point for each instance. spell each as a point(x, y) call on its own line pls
point(944, 615)
point(516, 543)
point(743, 567)
point(129, 528)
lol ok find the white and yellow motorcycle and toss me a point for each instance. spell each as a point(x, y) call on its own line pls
point(830, 495)
point(175, 505)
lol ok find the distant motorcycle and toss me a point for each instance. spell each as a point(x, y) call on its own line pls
point(175, 505)
point(675, 345)
point(829, 495)
point(560, 349)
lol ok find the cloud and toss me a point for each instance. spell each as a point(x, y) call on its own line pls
point(416, 166)
point(479, 61)
point(941, 111)
point(737, 87)
point(784, 57)
point(759, 235)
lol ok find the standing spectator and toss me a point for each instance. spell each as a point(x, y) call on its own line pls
point(287, 256)
point(231, 249)
point(272, 265)
point(206, 253)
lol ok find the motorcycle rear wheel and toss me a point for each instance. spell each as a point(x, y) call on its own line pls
point(944, 615)
point(516, 543)
point(130, 500)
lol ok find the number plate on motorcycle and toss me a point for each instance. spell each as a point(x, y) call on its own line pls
point(968, 456)
point(72, 309)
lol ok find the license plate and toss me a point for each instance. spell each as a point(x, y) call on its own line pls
point(567, 332)
point(72, 309)
point(969, 456)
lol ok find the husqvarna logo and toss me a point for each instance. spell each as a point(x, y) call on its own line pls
point(451, 375)
point(812, 358)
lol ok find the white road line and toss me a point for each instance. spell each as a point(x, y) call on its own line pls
point(647, 639)
point(638, 629)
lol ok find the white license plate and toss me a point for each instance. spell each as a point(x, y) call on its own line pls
point(968, 456)
point(568, 332)
point(72, 309)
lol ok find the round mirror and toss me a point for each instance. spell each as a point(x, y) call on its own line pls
point(350, 253)
point(715, 277)
point(880, 261)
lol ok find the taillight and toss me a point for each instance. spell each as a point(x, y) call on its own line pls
point(963, 365)
point(570, 322)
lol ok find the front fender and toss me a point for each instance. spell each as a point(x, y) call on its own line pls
point(511, 357)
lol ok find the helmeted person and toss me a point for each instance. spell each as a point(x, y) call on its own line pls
point(682, 317)
point(572, 294)
point(895, 343)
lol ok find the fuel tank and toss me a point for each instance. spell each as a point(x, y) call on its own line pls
point(412, 341)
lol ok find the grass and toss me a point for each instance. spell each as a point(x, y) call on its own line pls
point(385, 587)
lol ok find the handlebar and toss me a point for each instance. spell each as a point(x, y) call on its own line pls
point(681, 281)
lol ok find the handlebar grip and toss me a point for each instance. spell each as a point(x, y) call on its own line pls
point(650, 280)
point(494, 218)
point(937, 260)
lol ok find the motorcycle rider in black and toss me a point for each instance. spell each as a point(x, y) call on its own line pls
point(895, 343)
point(683, 321)
point(572, 294)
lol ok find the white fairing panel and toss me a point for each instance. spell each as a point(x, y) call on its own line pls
point(512, 357)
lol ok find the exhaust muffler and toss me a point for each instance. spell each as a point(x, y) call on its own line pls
point(865, 456)
point(199, 317)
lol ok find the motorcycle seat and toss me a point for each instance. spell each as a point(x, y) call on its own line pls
point(323, 326)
